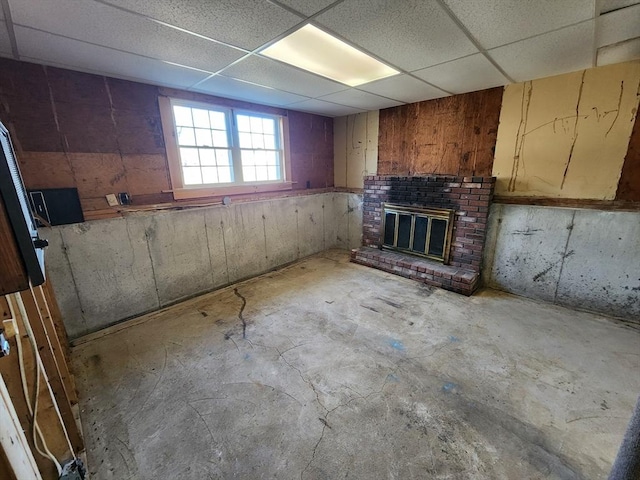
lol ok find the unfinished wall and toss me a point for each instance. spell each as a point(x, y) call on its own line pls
point(576, 257)
point(103, 135)
point(452, 136)
point(567, 136)
point(108, 270)
point(629, 185)
point(355, 148)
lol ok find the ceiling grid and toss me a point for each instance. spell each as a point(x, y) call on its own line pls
point(440, 47)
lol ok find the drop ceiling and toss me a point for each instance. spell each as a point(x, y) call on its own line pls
point(441, 47)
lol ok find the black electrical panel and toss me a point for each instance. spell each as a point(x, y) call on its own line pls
point(56, 206)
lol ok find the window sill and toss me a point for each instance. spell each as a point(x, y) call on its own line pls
point(203, 192)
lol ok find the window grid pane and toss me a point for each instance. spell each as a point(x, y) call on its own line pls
point(205, 151)
point(199, 131)
point(260, 156)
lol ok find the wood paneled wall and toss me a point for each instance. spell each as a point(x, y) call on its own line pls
point(13, 274)
point(103, 135)
point(57, 392)
point(629, 186)
point(453, 135)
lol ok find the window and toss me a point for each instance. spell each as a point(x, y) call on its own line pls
point(218, 150)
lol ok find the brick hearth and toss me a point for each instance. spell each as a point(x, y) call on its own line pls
point(469, 197)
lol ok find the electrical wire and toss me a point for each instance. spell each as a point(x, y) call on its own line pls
point(36, 429)
point(41, 371)
point(55, 404)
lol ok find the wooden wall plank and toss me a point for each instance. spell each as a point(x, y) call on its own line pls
point(16, 454)
point(453, 135)
point(62, 362)
point(53, 369)
point(48, 418)
point(10, 371)
point(629, 185)
point(57, 318)
point(4, 309)
point(6, 471)
point(14, 275)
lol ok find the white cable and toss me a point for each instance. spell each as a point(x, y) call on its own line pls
point(47, 453)
point(44, 372)
point(41, 371)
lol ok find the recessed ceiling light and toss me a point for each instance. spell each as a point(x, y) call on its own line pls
point(316, 51)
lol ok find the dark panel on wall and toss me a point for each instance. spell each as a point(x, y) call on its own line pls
point(25, 100)
point(311, 141)
point(454, 135)
point(629, 185)
point(103, 135)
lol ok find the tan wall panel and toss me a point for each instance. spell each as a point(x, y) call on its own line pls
point(567, 136)
point(146, 174)
point(355, 148)
point(47, 169)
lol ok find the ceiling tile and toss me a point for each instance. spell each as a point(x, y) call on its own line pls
point(500, 22)
point(243, 23)
point(108, 26)
point(358, 99)
point(618, 26)
point(271, 73)
point(562, 51)
point(324, 108)
point(232, 88)
point(620, 52)
point(610, 5)
point(307, 7)
point(410, 35)
point(50, 49)
point(403, 88)
point(463, 75)
point(5, 43)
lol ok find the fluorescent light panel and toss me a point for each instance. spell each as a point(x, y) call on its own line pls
point(318, 52)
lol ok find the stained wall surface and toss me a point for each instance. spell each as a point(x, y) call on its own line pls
point(567, 136)
point(582, 258)
point(355, 148)
point(629, 185)
point(450, 136)
point(102, 135)
point(105, 271)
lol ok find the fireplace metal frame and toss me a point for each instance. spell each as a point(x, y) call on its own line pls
point(425, 212)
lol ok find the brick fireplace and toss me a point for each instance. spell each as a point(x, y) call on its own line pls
point(468, 197)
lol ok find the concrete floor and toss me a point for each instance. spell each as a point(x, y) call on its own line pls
point(349, 372)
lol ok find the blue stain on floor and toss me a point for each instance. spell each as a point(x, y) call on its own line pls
point(247, 356)
point(397, 344)
point(392, 377)
point(453, 338)
point(450, 387)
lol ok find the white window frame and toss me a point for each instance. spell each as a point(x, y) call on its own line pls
point(238, 186)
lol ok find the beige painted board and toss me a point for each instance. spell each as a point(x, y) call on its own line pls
point(12, 440)
point(355, 148)
point(567, 136)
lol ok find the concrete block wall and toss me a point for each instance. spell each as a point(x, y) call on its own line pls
point(580, 258)
point(106, 271)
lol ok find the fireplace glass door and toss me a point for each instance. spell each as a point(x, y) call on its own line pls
point(424, 232)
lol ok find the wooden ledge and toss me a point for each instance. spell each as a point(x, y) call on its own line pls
point(613, 205)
